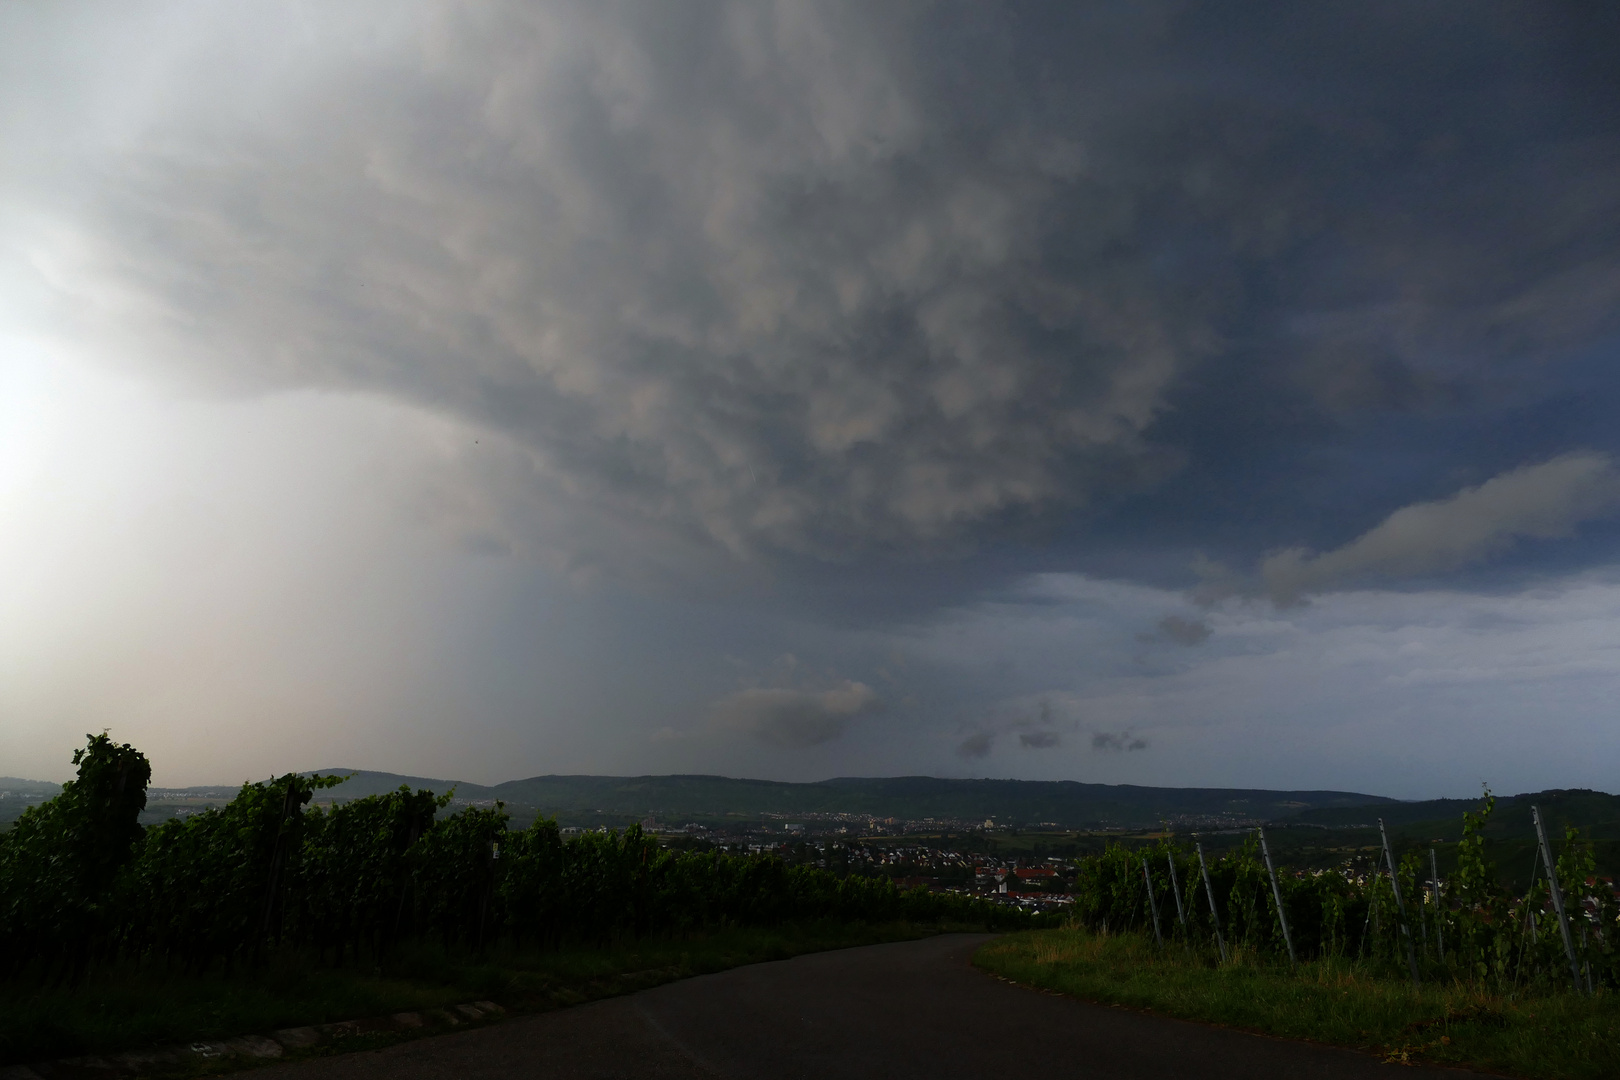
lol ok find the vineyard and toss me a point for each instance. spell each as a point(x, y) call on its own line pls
point(1411, 966)
point(83, 885)
point(1411, 924)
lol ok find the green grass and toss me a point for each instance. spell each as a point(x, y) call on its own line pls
point(1558, 1036)
point(133, 1009)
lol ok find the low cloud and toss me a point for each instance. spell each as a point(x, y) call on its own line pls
point(977, 745)
point(1037, 723)
point(1187, 632)
point(1117, 742)
point(796, 719)
point(1538, 502)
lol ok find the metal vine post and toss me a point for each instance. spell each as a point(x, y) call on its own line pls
point(1276, 894)
point(1557, 896)
point(1400, 908)
point(1175, 890)
point(1153, 905)
point(1209, 891)
point(1439, 923)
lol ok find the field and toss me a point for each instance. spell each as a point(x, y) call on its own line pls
point(1556, 1035)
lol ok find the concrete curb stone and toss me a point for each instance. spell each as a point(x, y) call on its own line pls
point(161, 1059)
point(296, 1038)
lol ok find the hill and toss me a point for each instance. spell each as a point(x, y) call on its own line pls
point(1063, 803)
point(1313, 827)
point(17, 788)
point(17, 795)
point(1325, 834)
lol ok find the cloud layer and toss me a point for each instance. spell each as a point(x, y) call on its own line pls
point(931, 342)
point(1544, 501)
point(835, 280)
point(737, 272)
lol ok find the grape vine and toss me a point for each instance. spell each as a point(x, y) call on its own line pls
point(83, 883)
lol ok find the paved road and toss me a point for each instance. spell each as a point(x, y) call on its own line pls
point(912, 1009)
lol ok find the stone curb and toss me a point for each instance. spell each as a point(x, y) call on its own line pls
point(262, 1047)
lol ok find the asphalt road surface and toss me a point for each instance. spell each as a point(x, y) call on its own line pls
point(911, 1009)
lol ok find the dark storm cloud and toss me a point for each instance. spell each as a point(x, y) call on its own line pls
point(827, 280)
point(1039, 740)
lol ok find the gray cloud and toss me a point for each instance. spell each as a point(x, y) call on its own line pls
point(795, 718)
point(1542, 501)
point(977, 745)
point(1036, 722)
point(818, 279)
point(1182, 631)
point(792, 305)
point(1117, 741)
point(790, 300)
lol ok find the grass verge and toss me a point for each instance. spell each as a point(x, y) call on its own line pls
point(138, 1008)
point(1555, 1036)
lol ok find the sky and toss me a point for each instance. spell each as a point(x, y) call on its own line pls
point(1154, 393)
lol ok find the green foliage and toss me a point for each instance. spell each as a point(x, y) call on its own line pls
point(355, 870)
point(211, 886)
point(1110, 894)
point(1477, 933)
point(60, 863)
point(1550, 1033)
point(83, 882)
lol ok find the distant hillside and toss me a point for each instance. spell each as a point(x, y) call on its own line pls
point(1325, 837)
point(1400, 813)
point(17, 795)
point(1596, 811)
point(364, 782)
point(14, 787)
point(1015, 802)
